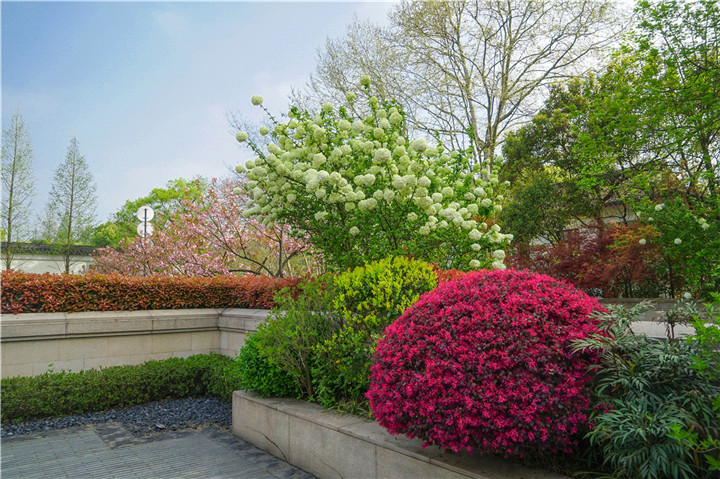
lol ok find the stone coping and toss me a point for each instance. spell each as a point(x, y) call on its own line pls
point(38, 326)
point(330, 445)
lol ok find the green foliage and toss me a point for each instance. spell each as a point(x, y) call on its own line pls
point(646, 391)
point(62, 393)
point(707, 363)
point(689, 238)
point(542, 204)
point(369, 299)
point(302, 319)
point(261, 374)
point(319, 340)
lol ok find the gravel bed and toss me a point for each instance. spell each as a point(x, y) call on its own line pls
point(158, 416)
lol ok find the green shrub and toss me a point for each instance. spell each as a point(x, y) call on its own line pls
point(303, 318)
point(647, 390)
point(62, 393)
point(369, 299)
point(259, 374)
point(705, 444)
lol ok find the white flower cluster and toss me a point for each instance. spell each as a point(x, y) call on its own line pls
point(353, 171)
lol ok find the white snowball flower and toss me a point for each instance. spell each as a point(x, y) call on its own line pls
point(499, 254)
point(424, 230)
point(475, 247)
point(687, 295)
point(320, 215)
point(354, 231)
point(344, 125)
point(364, 80)
point(642, 241)
point(677, 241)
point(447, 192)
point(382, 155)
point(237, 191)
point(241, 136)
point(264, 130)
point(256, 100)
point(419, 145)
point(350, 96)
point(498, 265)
point(487, 203)
point(659, 207)
point(395, 118)
point(474, 264)
point(412, 216)
point(240, 168)
point(475, 235)
point(327, 107)
point(705, 226)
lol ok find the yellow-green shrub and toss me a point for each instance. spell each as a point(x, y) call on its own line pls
point(368, 299)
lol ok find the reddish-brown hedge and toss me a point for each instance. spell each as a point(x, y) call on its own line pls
point(45, 293)
point(48, 293)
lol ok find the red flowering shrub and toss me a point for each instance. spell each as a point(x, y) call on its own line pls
point(484, 364)
point(45, 293)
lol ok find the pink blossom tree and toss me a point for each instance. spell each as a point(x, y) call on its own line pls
point(210, 237)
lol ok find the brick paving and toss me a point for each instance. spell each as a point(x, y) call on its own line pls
point(108, 450)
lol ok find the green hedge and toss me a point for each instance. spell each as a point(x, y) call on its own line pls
point(63, 393)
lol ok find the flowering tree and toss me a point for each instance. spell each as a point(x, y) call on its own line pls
point(210, 237)
point(363, 191)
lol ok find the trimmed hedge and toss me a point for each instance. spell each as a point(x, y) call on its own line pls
point(46, 293)
point(63, 393)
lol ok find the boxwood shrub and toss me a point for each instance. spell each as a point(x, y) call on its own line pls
point(62, 393)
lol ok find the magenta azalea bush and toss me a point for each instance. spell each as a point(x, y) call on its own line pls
point(484, 364)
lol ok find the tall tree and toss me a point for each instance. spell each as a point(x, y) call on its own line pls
point(70, 210)
point(18, 183)
point(469, 70)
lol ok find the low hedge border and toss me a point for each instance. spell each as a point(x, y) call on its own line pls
point(64, 393)
point(48, 293)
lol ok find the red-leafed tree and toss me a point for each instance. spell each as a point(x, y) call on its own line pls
point(604, 260)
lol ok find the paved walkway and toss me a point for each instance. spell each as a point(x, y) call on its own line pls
point(110, 451)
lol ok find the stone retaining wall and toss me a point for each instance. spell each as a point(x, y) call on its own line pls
point(33, 343)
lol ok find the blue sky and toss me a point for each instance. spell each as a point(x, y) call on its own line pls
point(145, 86)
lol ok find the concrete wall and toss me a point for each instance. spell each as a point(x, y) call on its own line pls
point(33, 343)
point(39, 263)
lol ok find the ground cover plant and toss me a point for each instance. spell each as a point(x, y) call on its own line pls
point(484, 364)
point(63, 393)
